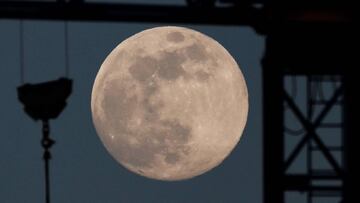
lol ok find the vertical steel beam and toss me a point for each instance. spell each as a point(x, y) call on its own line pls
point(273, 140)
point(352, 133)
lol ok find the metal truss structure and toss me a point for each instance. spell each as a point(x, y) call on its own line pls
point(309, 82)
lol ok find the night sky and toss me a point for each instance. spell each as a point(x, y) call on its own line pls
point(81, 169)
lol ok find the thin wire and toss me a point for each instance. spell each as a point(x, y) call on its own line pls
point(22, 51)
point(66, 39)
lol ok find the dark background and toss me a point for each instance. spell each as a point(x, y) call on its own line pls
point(81, 168)
point(299, 42)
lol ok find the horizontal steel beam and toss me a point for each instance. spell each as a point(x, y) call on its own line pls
point(305, 183)
point(128, 13)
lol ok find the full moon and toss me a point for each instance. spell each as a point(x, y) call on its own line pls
point(169, 103)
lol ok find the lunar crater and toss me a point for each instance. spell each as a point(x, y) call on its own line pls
point(175, 37)
point(143, 68)
point(196, 52)
point(202, 75)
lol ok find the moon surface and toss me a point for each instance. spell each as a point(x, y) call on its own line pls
point(169, 103)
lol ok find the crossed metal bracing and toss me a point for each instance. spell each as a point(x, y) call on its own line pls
point(319, 141)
